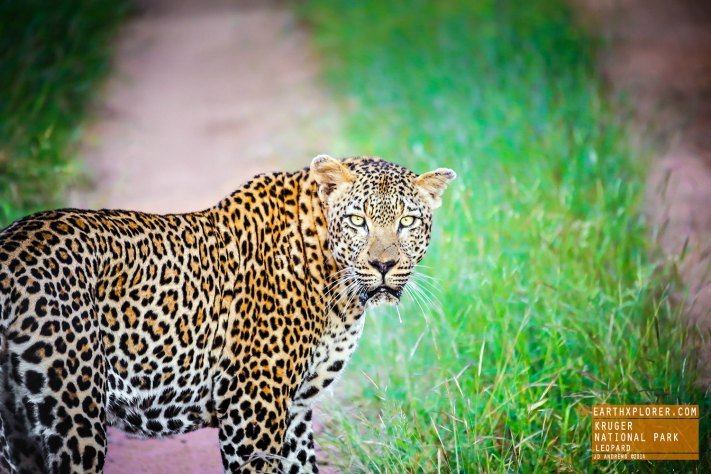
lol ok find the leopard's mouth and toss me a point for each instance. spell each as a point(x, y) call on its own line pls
point(381, 294)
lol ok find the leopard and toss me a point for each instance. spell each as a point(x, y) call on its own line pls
point(236, 317)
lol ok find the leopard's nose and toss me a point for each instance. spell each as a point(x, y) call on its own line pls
point(382, 267)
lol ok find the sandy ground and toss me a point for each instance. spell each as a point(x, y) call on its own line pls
point(205, 94)
point(661, 55)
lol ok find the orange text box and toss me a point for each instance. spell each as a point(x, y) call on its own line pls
point(645, 432)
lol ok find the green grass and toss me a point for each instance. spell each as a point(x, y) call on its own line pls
point(51, 56)
point(546, 301)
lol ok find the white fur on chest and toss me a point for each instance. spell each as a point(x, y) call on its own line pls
point(330, 356)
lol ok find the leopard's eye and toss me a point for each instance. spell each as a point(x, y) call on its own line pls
point(357, 221)
point(407, 221)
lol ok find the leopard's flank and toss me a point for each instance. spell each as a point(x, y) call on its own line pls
point(234, 317)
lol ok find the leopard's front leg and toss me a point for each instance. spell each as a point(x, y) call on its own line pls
point(252, 435)
point(298, 454)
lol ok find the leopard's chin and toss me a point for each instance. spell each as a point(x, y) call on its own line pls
point(382, 295)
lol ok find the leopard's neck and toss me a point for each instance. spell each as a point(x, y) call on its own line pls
point(336, 300)
point(278, 277)
point(282, 218)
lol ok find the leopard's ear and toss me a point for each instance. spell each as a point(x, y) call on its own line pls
point(330, 174)
point(431, 185)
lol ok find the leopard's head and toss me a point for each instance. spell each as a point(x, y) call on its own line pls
point(379, 217)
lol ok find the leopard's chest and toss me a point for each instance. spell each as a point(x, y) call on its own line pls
point(330, 356)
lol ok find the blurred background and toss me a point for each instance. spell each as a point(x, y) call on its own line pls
point(569, 264)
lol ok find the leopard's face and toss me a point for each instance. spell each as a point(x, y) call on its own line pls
point(379, 220)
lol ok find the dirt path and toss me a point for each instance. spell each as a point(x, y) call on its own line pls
point(205, 94)
point(661, 55)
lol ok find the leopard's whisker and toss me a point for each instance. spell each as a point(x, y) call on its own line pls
point(414, 297)
point(418, 272)
point(348, 303)
point(422, 266)
point(337, 284)
point(350, 282)
point(428, 287)
point(344, 277)
point(425, 278)
point(426, 294)
point(347, 291)
point(338, 277)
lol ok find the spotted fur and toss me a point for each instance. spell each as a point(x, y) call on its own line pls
point(235, 317)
